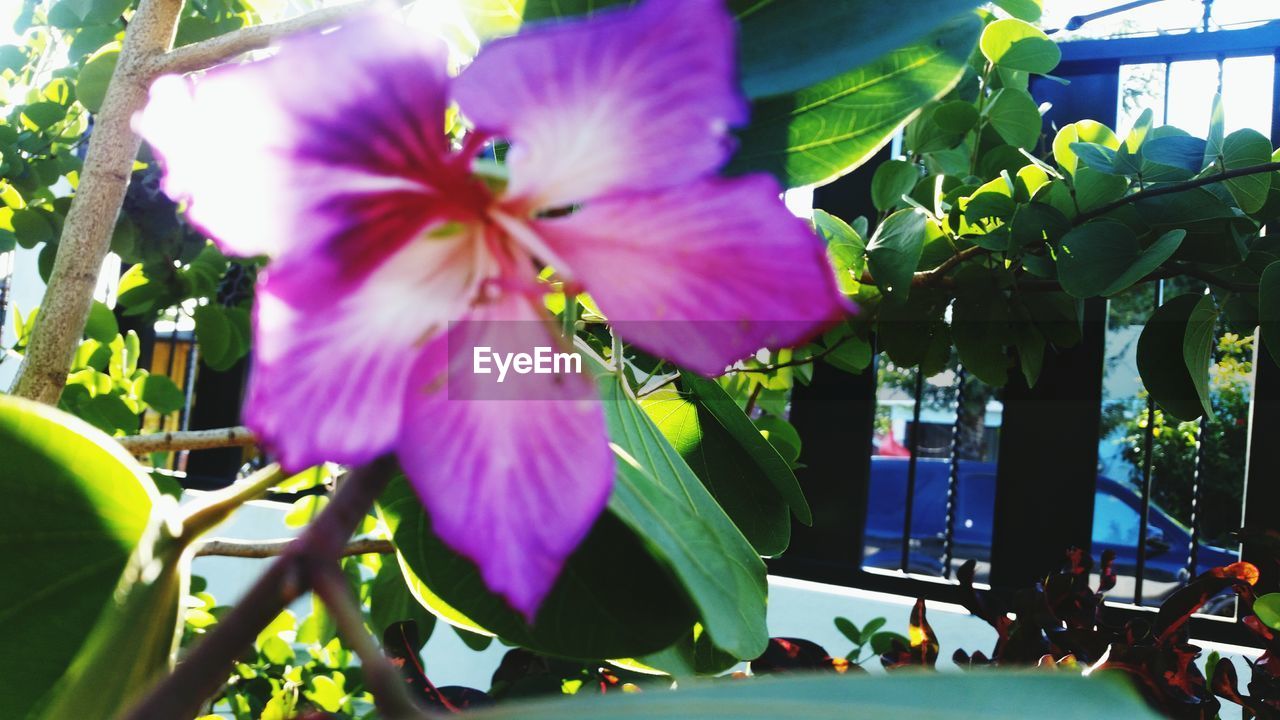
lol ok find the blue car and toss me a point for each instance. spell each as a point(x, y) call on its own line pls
point(1117, 509)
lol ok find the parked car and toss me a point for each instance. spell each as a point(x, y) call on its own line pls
point(1115, 522)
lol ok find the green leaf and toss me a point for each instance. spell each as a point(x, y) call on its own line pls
point(980, 329)
point(1016, 117)
point(1197, 348)
point(786, 45)
point(390, 602)
point(846, 249)
point(1242, 149)
point(1095, 188)
point(1267, 608)
point(161, 394)
point(495, 18)
point(956, 116)
point(761, 451)
point(75, 505)
point(1087, 131)
point(31, 227)
point(1017, 45)
point(42, 115)
point(1103, 258)
point(782, 436)
point(1269, 309)
point(821, 132)
point(1213, 148)
point(1028, 10)
point(91, 84)
point(919, 696)
point(894, 252)
point(214, 336)
point(783, 45)
point(740, 486)
point(613, 599)
point(101, 325)
point(1166, 351)
point(891, 181)
point(662, 500)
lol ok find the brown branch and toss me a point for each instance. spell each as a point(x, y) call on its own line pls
point(936, 277)
point(795, 363)
point(389, 691)
point(86, 233)
point(217, 50)
point(189, 440)
point(205, 669)
point(1177, 188)
point(222, 547)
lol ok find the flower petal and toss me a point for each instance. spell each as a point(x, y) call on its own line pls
point(298, 152)
point(633, 99)
point(330, 361)
point(513, 484)
point(704, 274)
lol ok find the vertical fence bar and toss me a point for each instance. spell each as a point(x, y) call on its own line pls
point(1197, 474)
point(912, 465)
point(1148, 458)
point(953, 478)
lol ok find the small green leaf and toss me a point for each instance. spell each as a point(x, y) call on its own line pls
point(894, 252)
point(891, 181)
point(1197, 348)
point(1018, 45)
point(1269, 309)
point(1087, 131)
point(1028, 10)
point(161, 394)
point(1016, 117)
point(1242, 149)
point(101, 325)
point(1267, 608)
point(846, 249)
point(390, 602)
point(91, 84)
point(1103, 258)
point(1167, 350)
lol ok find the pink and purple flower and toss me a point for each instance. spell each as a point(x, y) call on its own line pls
point(331, 158)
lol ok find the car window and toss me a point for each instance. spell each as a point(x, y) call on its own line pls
point(1114, 521)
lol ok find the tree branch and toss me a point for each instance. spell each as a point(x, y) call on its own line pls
point(217, 50)
point(189, 440)
point(204, 670)
point(86, 233)
point(224, 547)
point(389, 691)
point(1177, 188)
point(936, 277)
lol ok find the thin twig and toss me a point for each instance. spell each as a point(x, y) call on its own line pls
point(1177, 188)
point(189, 440)
point(795, 363)
point(227, 547)
point(389, 691)
point(196, 678)
point(936, 277)
point(223, 48)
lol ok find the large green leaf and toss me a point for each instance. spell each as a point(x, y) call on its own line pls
point(1103, 258)
point(994, 695)
point(783, 45)
point(786, 45)
point(613, 599)
point(825, 130)
point(662, 500)
point(894, 252)
point(740, 487)
point(1173, 355)
point(846, 249)
point(891, 181)
point(74, 506)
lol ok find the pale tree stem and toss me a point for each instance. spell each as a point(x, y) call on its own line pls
point(224, 547)
point(86, 233)
point(188, 440)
